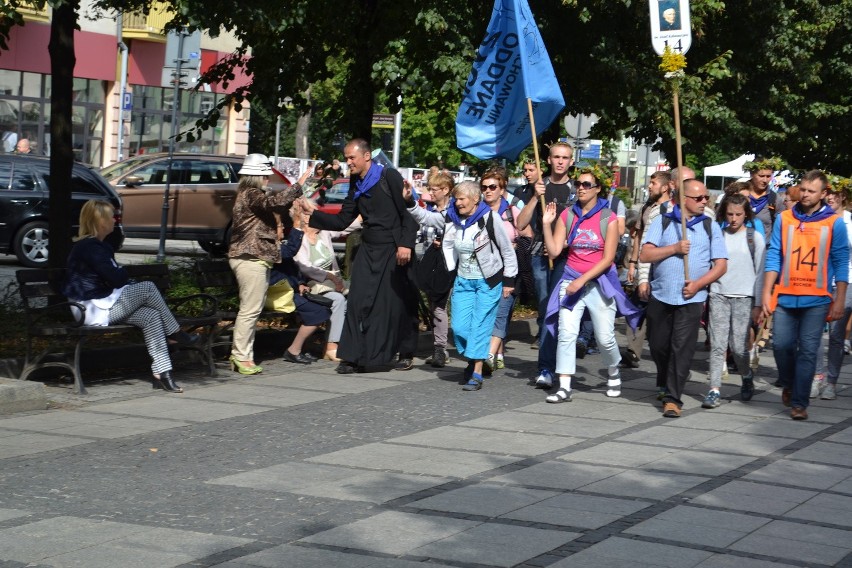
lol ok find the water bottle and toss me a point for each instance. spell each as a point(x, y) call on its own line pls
point(430, 236)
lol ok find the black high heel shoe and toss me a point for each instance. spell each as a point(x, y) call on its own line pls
point(185, 339)
point(166, 382)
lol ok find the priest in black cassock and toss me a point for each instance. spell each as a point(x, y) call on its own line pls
point(381, 316)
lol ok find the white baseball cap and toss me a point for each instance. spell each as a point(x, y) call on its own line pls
point(256, 165)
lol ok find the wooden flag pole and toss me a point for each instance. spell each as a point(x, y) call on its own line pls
point(537, 166)
point(681, 197)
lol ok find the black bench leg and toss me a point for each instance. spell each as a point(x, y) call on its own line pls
point(79, 387)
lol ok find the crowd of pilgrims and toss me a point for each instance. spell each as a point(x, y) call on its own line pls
point(562, 242)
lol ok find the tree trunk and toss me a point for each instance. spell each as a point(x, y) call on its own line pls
point(62, 61)
point(360, 91)
point(303, 124)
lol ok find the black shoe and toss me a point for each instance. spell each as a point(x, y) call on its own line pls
point(404, 364)
point(310, 356)
point(166, 383)
point(300, 358)
point(747, 389)
point(185, 339)
point(439, 358)
point(581, 349)
point(346, 368)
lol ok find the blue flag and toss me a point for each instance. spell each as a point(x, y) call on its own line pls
point(511, 66)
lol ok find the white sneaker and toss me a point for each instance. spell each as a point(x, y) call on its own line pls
point(755, 359)
point(490, 362)
point(847, 347)
point(817, 385)
point(613, 386)
point(544, 380)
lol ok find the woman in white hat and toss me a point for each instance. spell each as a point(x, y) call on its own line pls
point(253, 250)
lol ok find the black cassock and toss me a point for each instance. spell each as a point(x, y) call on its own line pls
point(381, 312)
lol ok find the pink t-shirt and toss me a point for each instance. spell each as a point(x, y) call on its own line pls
point(587, 249)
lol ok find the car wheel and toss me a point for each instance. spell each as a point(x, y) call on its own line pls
point(30, 245)
point(214, 248)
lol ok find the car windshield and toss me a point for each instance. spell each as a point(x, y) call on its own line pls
point(337, 193)
point(119, 168)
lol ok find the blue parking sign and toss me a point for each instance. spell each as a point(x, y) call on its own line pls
point(127, 103)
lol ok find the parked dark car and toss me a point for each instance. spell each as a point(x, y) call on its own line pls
point(24, 190)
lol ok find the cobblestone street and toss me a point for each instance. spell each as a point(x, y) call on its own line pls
point(301, 467)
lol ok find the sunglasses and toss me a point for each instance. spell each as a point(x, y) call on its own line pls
point(585, 185)
point(490, 187)
point(699, 198)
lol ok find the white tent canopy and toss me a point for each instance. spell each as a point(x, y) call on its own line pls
point(732, 169)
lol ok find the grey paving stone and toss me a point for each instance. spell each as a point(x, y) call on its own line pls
point(844, 486)
point(480, 499)
point(69, 541)
point(177, 408)
point(699, 462)
point(712, 420)
point(478, 439)
point(331, 482)
point(496, 544)
point(745, 444)
point(699, 526)
point(781, 425)
point(259, 395)
point(733, 561)
point(428, 461)
point(329, 383)
point(548, 423)
point(75, 423)
point(28, 444)
point(588, 407)
point(619, 454)
point(795, 541)
point(755, 497)
point(622, 552)
point(756, 407)
point(823, 452)
point(824, 508)
point(558, 475)
point(842, 437)
point(392, 532)
point(645, 484)
point(800, 474)
point(574, 510)
point(290, 556)
point(7, 514)
point(669, 436)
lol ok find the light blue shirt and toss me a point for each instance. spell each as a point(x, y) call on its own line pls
point(667, 275)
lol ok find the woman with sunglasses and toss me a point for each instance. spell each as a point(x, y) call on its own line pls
point(493, 185)
point(590, 281)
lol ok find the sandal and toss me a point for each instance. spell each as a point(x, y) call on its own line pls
point(561, 395)
point(473, 384)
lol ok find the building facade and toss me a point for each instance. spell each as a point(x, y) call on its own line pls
point(97, 116)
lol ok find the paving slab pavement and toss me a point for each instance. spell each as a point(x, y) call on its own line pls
point(300, 467)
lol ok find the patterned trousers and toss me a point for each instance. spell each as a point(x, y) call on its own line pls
point(141, 304)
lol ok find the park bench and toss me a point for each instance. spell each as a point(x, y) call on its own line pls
point(49, 318)
point(215, 277)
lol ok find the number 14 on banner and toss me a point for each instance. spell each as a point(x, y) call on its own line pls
point(670, 25)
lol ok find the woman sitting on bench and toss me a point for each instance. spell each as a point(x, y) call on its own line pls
point(95, 280)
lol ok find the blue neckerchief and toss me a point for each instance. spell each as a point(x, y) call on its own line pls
point(504, 205)
point(453, 215)
point(579, 216)
point(362, 186)
point(674, 214)
point(820, 214)
point(758, 203)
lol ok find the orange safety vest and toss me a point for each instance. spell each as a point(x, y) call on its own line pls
point(805, 248)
